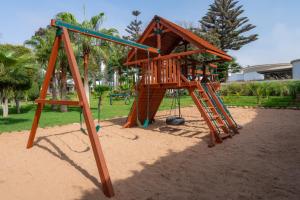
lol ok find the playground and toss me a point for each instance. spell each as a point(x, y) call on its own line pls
point(90, 113)
point(161, 162)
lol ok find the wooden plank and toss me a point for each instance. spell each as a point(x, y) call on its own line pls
point(96, 146)
point(174, 70)
point(155, 71)
point(159, 71)
point(152, 72)
point(226, 58)
point(43, 92)
point(178, 72)
point(173, 55)
point(158, 37)
point(58, 102)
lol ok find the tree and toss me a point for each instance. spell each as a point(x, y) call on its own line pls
point(134, 28)
point(225, 26)
point(63, 60)
point(41, 43)
point(16, 74)
point(92, 50)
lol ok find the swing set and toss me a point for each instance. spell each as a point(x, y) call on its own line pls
point(62, 36)
point(159, 67)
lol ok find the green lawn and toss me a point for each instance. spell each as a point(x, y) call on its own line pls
point(16, 122)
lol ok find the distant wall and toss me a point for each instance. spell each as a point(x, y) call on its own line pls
point(296, 69)
point(253, 76)
point(235, 77)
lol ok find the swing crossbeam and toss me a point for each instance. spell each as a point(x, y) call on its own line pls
point(102, 36)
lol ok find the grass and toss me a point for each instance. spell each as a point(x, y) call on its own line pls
point(23, 121)
point(18, 122)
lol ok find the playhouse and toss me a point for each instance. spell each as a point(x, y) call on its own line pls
point(166, 56)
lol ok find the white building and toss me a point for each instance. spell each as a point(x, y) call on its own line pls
point(296, 69)
point(276, 71)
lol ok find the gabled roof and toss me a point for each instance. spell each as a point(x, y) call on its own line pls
point(172, 35)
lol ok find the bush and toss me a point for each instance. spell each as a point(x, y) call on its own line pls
point(100, 89)
point(262, 89)
point(34, 91)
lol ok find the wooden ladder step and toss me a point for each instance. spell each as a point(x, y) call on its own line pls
point(215, 117)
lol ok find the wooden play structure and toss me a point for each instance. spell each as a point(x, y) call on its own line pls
point(164, 55)
point(176, 67)
point(62, 39)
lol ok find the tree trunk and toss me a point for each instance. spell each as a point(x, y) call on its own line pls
point(18, 108)
point(86, 77)
point(5, 107)
point(63, 93)
point(94, 80)
point(54, 89)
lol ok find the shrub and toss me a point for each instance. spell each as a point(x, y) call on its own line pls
point(34, 91)
point(262, 89)
point(100, 89)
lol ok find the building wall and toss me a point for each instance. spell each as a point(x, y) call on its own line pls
point(253, 76)
point(296, 69)
point(235, 77)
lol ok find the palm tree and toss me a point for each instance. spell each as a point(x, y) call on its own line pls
point(62, 59)
point(92, 49)
point(41, 43)
point(14, 75)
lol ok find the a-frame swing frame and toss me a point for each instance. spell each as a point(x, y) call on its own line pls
point(62, 35)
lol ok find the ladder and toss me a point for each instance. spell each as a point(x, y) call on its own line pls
point(218, 128)
point(221, 107)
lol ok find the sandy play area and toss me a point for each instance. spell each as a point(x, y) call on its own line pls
point(162, 162)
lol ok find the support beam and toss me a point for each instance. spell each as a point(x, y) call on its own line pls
point(43, 93)
point(173, 55)
point(59, 102)
point(96, 146)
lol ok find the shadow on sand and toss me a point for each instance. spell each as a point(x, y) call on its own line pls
point(256, 164)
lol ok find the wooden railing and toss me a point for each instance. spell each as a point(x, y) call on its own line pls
point(162, 71)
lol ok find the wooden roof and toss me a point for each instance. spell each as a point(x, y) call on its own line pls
point(171, 36)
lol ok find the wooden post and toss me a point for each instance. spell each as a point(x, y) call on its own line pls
point(96, 146)
point(43, 92)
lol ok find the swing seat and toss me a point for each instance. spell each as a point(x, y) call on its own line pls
point(146, 123)
point(98, 127)
point(175, 120)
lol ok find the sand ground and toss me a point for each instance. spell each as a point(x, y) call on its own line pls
point(162, 162)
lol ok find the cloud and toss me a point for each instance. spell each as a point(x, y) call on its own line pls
point(281, 44)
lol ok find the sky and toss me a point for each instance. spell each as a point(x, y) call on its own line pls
point(277, 21)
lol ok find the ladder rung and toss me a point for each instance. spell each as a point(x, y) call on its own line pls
point(215, 116)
